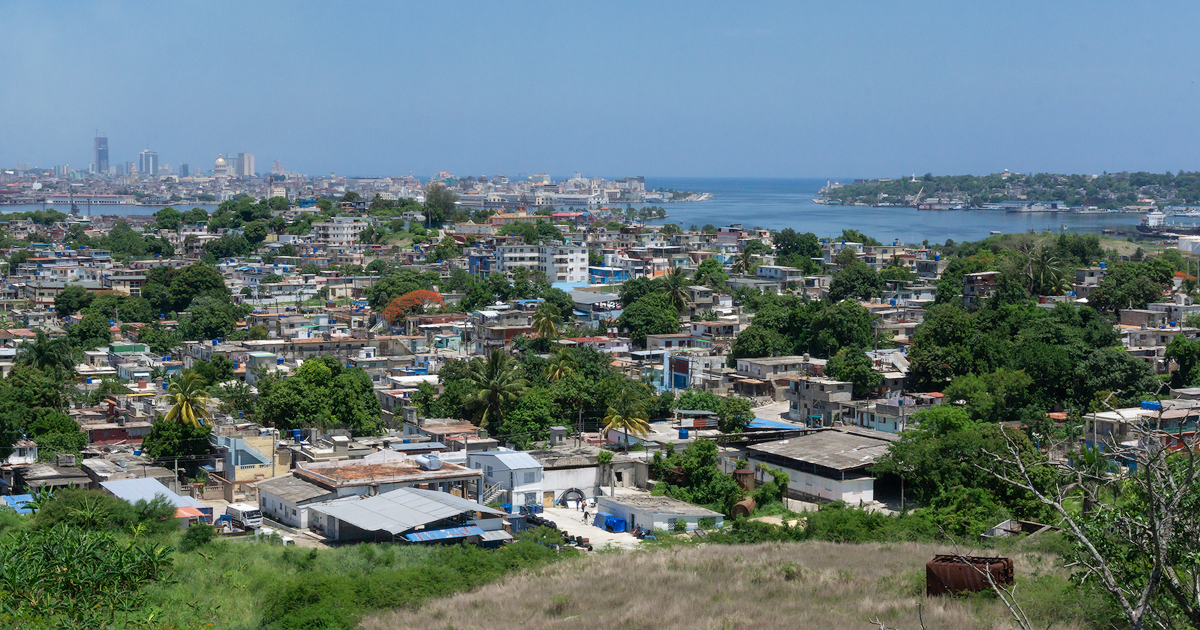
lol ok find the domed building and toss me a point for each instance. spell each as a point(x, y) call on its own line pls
point(220, 169)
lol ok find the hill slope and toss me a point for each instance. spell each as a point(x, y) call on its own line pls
point(752, 587)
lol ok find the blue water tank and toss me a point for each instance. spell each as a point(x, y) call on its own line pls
point(937, 256)
point(279, 360)
point(893, 302)
point(407, 441)
point(1152, 405)
point(1102, 265)
point(683, 434)
point(89, 380)
point(164, 386)
point(137, 451)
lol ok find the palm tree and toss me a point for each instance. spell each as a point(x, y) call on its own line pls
point(48, 354)
point(189, 400)
point(560, 365)
point(627, 413)
point(1045, 274)
point(744, 262)
point(708, 315)
point(675, 284)
point(546, 320)
point(492, 385)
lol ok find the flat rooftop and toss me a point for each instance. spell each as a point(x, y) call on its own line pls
point(354, 473)
point(662, 505)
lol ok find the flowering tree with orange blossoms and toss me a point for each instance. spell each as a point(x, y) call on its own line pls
point(413, 301)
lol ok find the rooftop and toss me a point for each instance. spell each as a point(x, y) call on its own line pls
point(843, 448)
point(663, 505)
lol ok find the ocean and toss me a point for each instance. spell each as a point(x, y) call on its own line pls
point(787, 203)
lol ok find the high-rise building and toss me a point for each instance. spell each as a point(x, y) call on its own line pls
point(148, 162)
point(183, 170)
point(245, 165)
point(100, 148)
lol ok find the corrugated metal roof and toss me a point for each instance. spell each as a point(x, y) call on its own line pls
point(134, 490)
point(496, 534)
point(17, 502)
point(513, 460)
point(399, 510)
point(443, 534)
point(839, 450)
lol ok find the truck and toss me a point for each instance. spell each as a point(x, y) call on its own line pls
point(245, 515)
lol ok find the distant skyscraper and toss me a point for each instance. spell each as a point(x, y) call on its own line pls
point(148, 162)
point(183, 170)
point(101, 150)
point(245, 165)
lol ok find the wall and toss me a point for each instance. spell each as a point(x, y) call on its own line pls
point(851, 491)
point(635, 517)
point(559, 481)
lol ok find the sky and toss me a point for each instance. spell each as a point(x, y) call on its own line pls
point(754, 89)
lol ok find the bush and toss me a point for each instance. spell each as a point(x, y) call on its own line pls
point(197, 536)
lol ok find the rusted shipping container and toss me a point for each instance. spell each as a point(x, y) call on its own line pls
point(948, 575)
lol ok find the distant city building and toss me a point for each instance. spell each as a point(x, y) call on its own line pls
point(183, 170)
point(148, 162)
point(101, 150)
point(277, 167)
point(220, 168)
point(245, 165)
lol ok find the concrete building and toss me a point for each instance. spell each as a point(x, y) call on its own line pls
point(978, 287)
point(663, 513)
point(411, 514)
point(560, 263)
point(830, 464)
point(515, 475)
point(815, 401)
point(286, 499)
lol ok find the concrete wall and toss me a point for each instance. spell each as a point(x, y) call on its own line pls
point(851, 491)
point(560, 480)
point(635, 517)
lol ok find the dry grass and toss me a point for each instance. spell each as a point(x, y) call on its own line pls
point(807, 585)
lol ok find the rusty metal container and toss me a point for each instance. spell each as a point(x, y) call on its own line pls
point(745, 479)
point(950, 575)
point(743, 508)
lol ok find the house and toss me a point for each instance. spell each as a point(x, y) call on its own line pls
point(815, 401)
point(516, 475)
point(407, 514)
point(385, 471)
point(785, 276)
point(663, 513)
point(830, 464)
point(978, 287)
point(285, 499)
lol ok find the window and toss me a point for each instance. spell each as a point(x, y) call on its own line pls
point(489, 471)
point(530, 477)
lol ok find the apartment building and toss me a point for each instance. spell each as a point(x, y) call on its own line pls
point(560, 263)
point(341, 231)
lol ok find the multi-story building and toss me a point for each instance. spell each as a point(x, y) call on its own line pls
point(560, 263)
point(101, 151)
point(978, 287)
point(816, 401)
point(245, 165)
point(339, 231)
point(148, 162)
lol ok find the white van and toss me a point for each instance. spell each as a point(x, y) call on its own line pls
point(245, 515)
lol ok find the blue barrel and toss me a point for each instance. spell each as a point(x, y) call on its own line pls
point(683, 434)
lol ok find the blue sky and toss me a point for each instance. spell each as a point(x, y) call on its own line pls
point(802, 89)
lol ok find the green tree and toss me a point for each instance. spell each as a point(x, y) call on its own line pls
point(71, 300)
point(652, 314)
point(168, 218)
point(627, 413)
point(90, 332)
point(635, 289)
point(189, 401)
point(256, 232)
point(711, 273)
point(675, 285)
point(494, 385)
point(993, 397)
point(55, 356)
point(856, 280)
point(177, 439)
point(758, 341)
point(546, 320)
point(439, 203)
point(852, 365)
point(1130, 285)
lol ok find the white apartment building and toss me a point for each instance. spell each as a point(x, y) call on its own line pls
point(339, 231)
point(560, 263)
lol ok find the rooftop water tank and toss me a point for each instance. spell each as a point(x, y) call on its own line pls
point(428, 462)
point(683, 434)
point(1102, 265)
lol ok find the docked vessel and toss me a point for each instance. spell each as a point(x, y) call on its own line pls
point(1155, 224)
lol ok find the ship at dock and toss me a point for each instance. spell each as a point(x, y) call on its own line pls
point(1155, 224)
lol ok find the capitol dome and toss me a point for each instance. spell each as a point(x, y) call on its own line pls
point(220, 162)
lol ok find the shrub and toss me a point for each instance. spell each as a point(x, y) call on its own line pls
point(197, 536)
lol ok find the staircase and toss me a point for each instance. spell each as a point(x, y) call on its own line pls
point(490, 493)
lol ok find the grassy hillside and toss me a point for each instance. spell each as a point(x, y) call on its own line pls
point(753, 587)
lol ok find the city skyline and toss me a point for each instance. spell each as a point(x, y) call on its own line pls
point(666, 90)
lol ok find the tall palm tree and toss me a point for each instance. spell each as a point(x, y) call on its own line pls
point(708, 315)
point(560, 365)
point(492, 384)
point(546, 320)
point(675, 285)
point(48, 354)
point(1045, 273)
point(627, 413)
point(189, 400)
point(744, 262)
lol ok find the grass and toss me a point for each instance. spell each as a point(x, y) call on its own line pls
point(795, 585)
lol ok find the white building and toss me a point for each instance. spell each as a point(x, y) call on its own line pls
point(830, 464)
point(560, 263)
point(340, 231)
point(284, 499)
point(517, 474)
point(650, 512)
